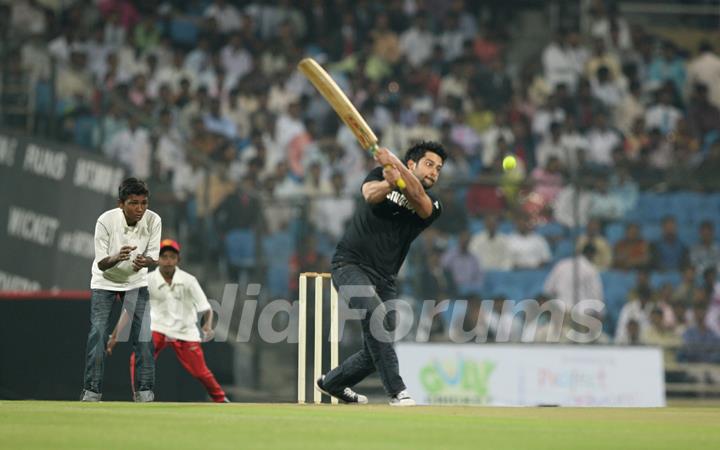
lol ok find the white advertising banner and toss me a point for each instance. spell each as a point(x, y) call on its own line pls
point(533, 375)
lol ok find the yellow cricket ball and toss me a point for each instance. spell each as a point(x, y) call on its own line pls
point(509, 162)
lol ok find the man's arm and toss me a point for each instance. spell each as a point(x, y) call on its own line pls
point(207, 320)
point(102, 249)
point(150, 256)
point(414, 190)
point(121, 324)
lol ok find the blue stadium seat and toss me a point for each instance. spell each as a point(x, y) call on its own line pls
point(552, 229)
point(657, 279)
point(563, 249)
point(183, 31)
point(614, 232)
point(43, 97)
point(616, 285)
point(651, 231)
point(83, 133)
point(476, 226)
point(240, 247)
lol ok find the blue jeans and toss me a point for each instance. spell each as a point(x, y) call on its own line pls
point(378, 352)
point(136, 303)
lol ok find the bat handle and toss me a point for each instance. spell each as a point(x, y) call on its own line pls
point(400, 182)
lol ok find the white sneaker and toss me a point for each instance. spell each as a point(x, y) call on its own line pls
point(144, 396)
point(402, 398)
point(90, 396)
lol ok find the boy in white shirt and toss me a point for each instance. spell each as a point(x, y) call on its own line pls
point(176, 299)
point(127, 242)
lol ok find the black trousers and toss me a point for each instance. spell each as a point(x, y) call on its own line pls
point(378, 352)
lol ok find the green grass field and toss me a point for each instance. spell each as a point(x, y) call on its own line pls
point(74, 425)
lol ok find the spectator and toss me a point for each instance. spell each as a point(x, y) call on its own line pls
point(632, 251)
point(417, 41)
point(551, 146)
point(131, 148)
point(705, 69)
point(73, 84)
point(656, 333)
point(605, 205)
point(623, 187)
point(685, 291)
point(216, 122)
point(607, 89)
point(548, 180)
point(601, 58)
point(170, 151)
point(602, 140)
point(603, 253)
point(569, 210)
point(663, 115)
point(235, 210)
point(528, 249)
point(224, 17)
point(463, 266)
point(236, 59)
point(331, 213)
point(703, 116)
point(638, 311)
point(669, 253)
point(631, 336)
point(706, 254)
point(564, 59)
point(560, 283)
point(491, 248)
point(700, 344)
point(667, 66)
point(629, 109)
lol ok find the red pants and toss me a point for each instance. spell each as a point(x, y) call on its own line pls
point(191, 356)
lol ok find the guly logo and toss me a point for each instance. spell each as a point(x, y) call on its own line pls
point(461, 381)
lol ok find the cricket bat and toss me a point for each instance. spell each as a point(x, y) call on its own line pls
point(324, 83)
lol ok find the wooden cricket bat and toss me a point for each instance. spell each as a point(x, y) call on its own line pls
point(324, 83)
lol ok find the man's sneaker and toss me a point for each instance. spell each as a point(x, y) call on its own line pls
point(402, 398)
point(144, 396)
point(346, 396)
point(90, 396)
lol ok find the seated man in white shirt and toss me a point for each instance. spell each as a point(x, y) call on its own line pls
point(528, 250)
point(127, 242)
point(176, 299)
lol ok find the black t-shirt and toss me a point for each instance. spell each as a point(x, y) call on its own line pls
point(379, 235)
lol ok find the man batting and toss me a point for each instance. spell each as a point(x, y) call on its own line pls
point(371, 252)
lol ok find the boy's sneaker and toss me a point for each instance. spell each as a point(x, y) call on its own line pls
point(90, 396)
point(402, 398)
point(144, 396)
point(346, 396)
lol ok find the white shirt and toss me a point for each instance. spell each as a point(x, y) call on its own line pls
point(560, 281)
point(237, 61)
point(528, 251)
point(632, 310)
point(601, 144)
point(112, 233)
point(132, 149)
point(174, 307)
point(227, 18)
point(664, 117)
point(417, 45)
point(705, 68)
point(493, 253)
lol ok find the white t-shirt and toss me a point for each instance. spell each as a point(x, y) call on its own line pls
point(528, 251)
point(174, 307)
point(112, 233)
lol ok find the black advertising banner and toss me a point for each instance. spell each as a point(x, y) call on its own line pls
point(51, 196)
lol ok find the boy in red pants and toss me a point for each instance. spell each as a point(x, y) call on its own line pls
point(176, 299)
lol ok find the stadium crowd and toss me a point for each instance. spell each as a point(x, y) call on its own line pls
point(616, 132)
